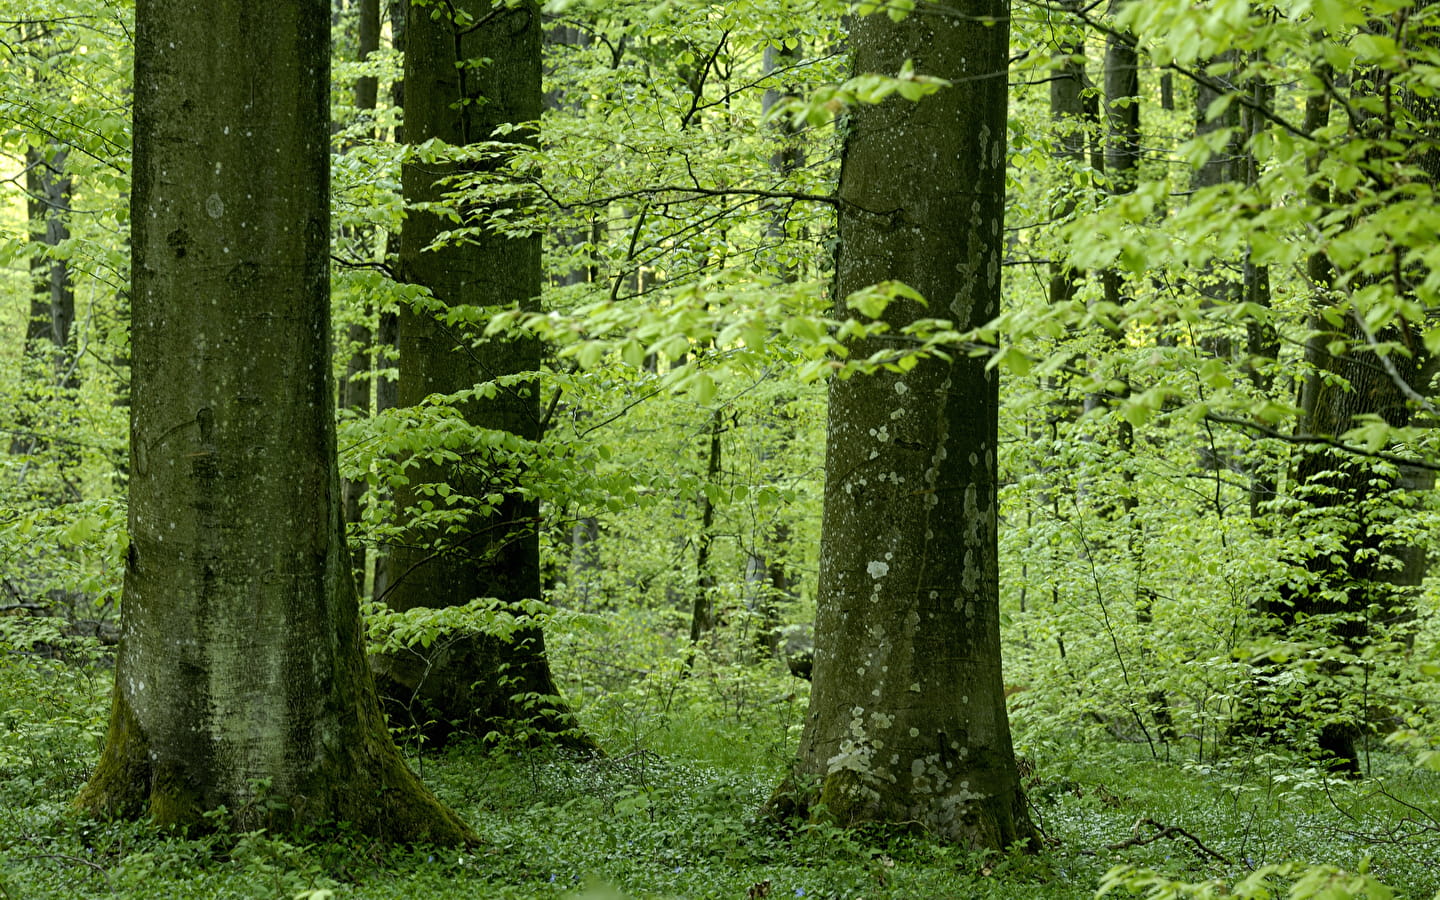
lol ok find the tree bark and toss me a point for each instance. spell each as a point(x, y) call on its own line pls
point(468, 685)
point(241, 679)
point(907, 720)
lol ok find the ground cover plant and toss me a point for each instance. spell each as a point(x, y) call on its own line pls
point(673, 811)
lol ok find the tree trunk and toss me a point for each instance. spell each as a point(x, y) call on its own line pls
point(702, 606)
point(49, 355)
point(907, 720)
point(468, 683)
point(361, 365)
point(1122, 169)
point(1362, 586)
point(387, 329)
point(1222, 167)
point(241, 679)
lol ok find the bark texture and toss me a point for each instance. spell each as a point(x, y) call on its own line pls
point(466, 684)
point(241, 679)
point(907, 721)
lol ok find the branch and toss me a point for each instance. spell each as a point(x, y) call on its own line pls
point(1322, 439)
point(1164, 831)
point(361, 264)
point(699, 91)
point(698, 191)
point(1389, 366)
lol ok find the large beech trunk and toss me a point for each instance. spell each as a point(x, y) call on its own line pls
point(907, 720)
point(241, 679)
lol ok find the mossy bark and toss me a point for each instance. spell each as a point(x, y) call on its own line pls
point(470, 68)
point(907, 721)
point(241, 680)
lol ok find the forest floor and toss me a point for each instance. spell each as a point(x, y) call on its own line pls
point(671, 812)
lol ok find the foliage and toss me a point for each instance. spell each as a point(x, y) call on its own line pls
point(687, 304)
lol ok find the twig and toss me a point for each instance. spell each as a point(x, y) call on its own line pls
point(1164, 831)
point(78, 860)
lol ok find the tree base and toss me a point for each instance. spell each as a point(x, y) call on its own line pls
point(477, 686)
point(367, 788)
point(996, 822)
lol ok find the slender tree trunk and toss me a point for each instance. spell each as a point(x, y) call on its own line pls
point(1122, 122)
point(1122, 168)
point(1222, 167)
point(770, 577)
point(1067, 114)
point(702, 610)
point(1262, 340)
point(907, 720)
point(467, 684)
point(360, 367)
point(241, 679)
point(50, 359)
point(387, 330)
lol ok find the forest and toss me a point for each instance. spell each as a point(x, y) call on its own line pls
point(765, 449)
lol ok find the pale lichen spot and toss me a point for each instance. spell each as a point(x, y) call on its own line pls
point(878, 569)
point(914, 732)
point(900, 387)
point(915, 687)
point(214, 206)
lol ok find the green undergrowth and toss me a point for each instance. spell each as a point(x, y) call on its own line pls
point(671, 812)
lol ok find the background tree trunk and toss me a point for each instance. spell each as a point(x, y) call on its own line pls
point(466, 684)
point(355, 394)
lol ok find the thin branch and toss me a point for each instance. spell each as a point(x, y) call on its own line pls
point(360, 264)
point(1165, 831)
point(698, 93)
point(1326, 440)
point(680, 189)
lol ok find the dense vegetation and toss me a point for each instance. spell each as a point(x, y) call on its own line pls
point(1216, 464)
